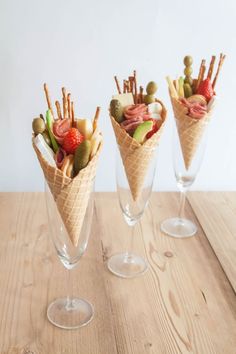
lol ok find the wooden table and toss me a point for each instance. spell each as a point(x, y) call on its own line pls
point(185, 303)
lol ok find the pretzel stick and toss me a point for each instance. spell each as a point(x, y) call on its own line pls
point(128, 85)
point(222, 58)
point(211, 67)
point(131, 80)
point(68, 105)
point(95, 120)
point(141, 94)
point(48, 98)
point(124, 86)
point(73, 115)
point(64, 102)
point(135, 87)
point(201, 73)
point(117, 85)
point(58, 109)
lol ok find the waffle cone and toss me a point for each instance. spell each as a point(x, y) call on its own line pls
point(136, 157)
point(70, 194)
point(190, 130)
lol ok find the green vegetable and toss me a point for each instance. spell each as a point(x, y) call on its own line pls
point(38, 126)
point(181, 87)
point(187, 90)
point(82, 154)
point(142, 130)
point(116, 110)
point(151, 88)
point(49, 126)
point(149, 99)
point(188, 60)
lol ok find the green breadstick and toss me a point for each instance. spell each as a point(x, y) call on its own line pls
point(49, 126)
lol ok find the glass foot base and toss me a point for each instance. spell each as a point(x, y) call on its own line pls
point(179, 228)
point(70, 314)
point(127, 265)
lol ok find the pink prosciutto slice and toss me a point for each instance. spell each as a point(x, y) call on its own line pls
point(134, 111)
point(195, 109)
point(60, 129)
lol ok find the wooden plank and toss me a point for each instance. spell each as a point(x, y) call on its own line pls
point(31, 276)
point(216, 212)
point(184, 303)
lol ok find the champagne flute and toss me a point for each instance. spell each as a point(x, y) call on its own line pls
point(180, 227)
point(68, 312)
point(128, 264)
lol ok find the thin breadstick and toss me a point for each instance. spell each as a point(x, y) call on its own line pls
point(95, 120)
point(124, 86)
point(73, 123)
point(131, 80)
point(48, 99)
point(211, 67)
point(117, 85)
point(141, 94)
point(69, 106)
point(64, 100)
point(221, 61)
point(128, 85)
point(135, 87)
point(201, 73)
point(58, 109)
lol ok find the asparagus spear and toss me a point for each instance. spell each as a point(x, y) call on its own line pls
point(49, 126)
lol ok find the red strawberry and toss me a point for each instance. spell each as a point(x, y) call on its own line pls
point(205, 89)
point(72, 140)
point(156, 125)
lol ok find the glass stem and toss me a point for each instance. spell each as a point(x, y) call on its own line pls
point(182, 203)
point(131, 243)
point(69, 304)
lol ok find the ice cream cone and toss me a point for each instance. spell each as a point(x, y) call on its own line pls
point(190, 130)
point(136, 157)
point(71, 195)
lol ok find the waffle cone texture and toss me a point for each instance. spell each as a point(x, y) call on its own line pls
point(190, 130)
point(137, 157)
point(71, 195)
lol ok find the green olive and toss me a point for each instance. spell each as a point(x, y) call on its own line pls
point(188, 60)
point(187, 90)
point(151, 88)
point(47, 137)
point(188, 80)
point(38, 125)
point(149, 99)
point(188, 71)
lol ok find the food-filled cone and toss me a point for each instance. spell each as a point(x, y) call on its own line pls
point(190, 130)
point(71, 195)
point(136, 157)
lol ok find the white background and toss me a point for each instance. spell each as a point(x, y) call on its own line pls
point(82, 44)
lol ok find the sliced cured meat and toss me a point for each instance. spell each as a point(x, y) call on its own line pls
point(59, 157)
point(61, 128)
point(134, 111)
point(196, 110)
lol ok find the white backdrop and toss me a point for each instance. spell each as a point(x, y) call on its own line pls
point(82, 44)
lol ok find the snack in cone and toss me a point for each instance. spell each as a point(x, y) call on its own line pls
point(193, 102)
point(138, 128)
point(71, 172)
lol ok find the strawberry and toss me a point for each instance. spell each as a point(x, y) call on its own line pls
point(205, 89)
point(72, 140)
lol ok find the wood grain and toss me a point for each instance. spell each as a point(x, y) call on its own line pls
point(216, 213)
point(31, 276)
point(183, 304)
